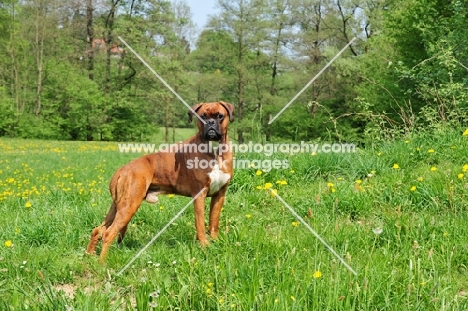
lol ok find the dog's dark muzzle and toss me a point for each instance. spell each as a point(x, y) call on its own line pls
point(211, 131)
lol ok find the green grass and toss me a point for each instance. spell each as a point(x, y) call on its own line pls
point(53, 193)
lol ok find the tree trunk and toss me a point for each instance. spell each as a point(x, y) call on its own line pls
point(39, 62)
point(90, 31)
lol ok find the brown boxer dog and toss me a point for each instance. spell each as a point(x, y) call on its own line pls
point(174, 171)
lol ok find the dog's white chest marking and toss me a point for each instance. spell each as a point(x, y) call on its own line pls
point(218, 179)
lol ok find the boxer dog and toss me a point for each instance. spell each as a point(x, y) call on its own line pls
point(174, 172)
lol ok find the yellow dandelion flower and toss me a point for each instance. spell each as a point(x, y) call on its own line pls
point(171, 195)
point(208, 290)
point(210, 284)
point(258, 172)
point(396, 166)
point(333, 190)
point(465, 133)
point(28, 204)
point(8, 243)
point(268, 185)
point(420, 178)
point(161, 208)
point(317, 274)
point(221, 300)
point(433, 169)
point(406, 141)
point(276, 300)
point(460, 176)
point(294, 223)
point(292, 298)
point(248, 215)
point(330, 185)
point(259, 187)
point(431, 151)
point(282, 182)
point(465, 167)
point(413, 188)
point(274, 192)
point(292, 171)
point(358, 181)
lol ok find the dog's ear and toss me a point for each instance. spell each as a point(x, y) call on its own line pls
point(230, 109)
point(193, 110)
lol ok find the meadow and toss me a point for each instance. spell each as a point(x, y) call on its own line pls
point(396, 211)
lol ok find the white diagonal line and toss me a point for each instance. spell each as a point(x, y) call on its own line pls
point(160, 232)
point(311, 81)
point(313, 231)
point(161, 79)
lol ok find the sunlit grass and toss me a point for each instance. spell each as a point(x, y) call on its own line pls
point(399, 224)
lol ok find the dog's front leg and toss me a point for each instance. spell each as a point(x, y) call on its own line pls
point(199, 207)
point(216, 205)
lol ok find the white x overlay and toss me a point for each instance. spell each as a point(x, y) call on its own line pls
point(313, 231)
point(161, 79)
point(311, 81)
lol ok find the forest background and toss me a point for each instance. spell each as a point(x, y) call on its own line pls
point(65, 75)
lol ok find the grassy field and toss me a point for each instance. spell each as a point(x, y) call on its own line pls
point(395, 211)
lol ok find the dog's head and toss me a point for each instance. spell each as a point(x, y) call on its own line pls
point(216, 117)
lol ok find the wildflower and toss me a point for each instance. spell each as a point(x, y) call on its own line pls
point(420, 179)
point(170, 195)
point(282, 182)
point(248, 215)
point(268, 185)
point(292, 298)
point(317, 274)
point(413, 188)
point(433, 169)
point(294, 223)
point(8, 243)
point(377, 231)
point(465, 133)
point(330, 185)
point(431, 151)
point(292, 171)
point(276, 300)
point(161, 208)
point(396, 166)
point(28, 204)
point(406, 141)
point(258, 172)
point(274, 192)
point(465, 167)
point(358, 181)
point(460, 176)
point(259, 187)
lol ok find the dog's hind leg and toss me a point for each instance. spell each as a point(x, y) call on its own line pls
point(127, 203)
point(97, 232)
point(122, 234)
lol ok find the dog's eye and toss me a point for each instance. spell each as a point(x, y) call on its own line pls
point(203, 116)
point(220, 116)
